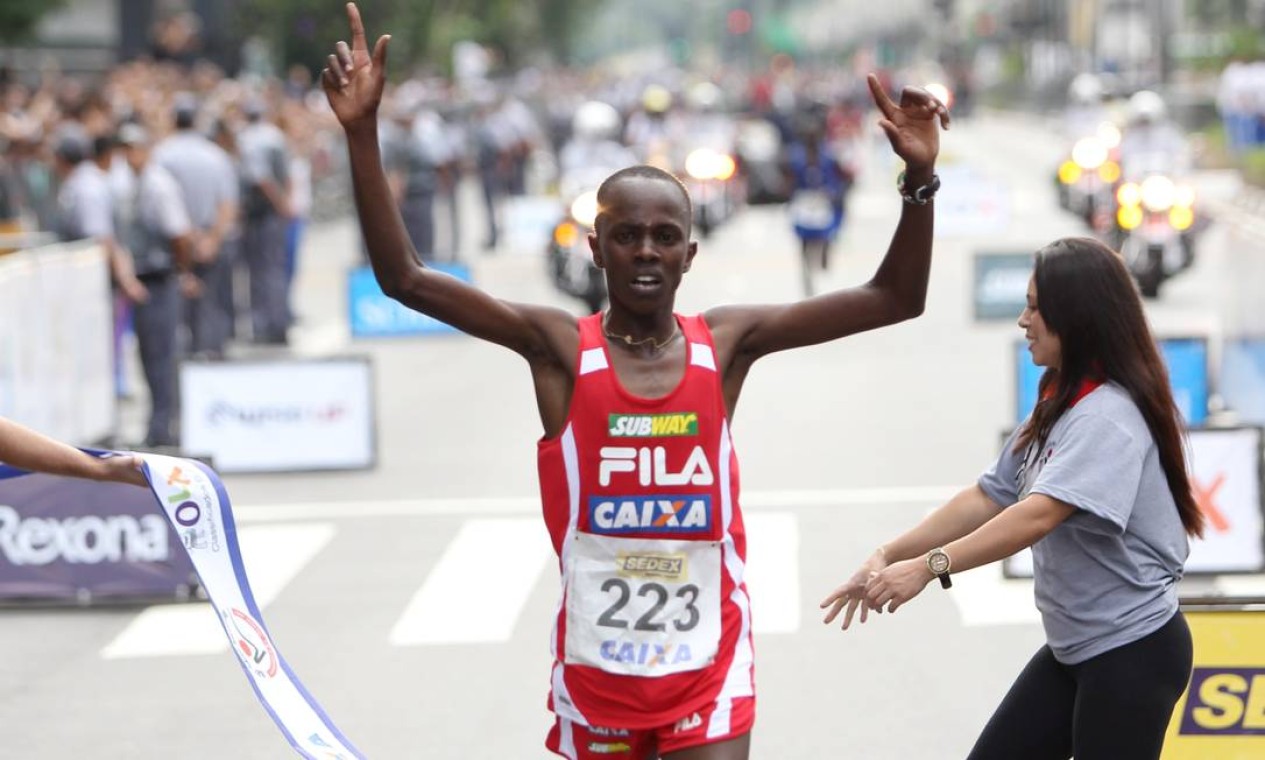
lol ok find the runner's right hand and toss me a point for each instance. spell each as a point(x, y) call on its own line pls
point(353, 79)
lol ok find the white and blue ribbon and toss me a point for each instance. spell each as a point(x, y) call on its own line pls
point(197, 506)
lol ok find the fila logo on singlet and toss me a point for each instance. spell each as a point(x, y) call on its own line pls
point(650, 463)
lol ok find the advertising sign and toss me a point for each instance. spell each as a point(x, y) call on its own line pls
point(1242, 380)
point(1001, 285)
point(978, 205)
point(373, 315)
point(1222, 713)
point(76, 541)
point(279, 415)
point(1187, 361)
point(1225, 474)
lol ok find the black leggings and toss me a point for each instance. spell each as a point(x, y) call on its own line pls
point(1115, 706)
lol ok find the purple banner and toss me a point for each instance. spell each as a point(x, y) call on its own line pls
point(1225, 701)
point(70, 540)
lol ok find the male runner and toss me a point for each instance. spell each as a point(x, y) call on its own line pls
point(652, 641)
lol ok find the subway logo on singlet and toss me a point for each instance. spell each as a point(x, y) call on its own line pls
point(674, 424)
point(614, 515)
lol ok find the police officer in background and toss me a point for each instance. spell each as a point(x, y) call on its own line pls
point(161, 238)
point(85, 209)
point(412, 168)
point(209, 190)
point(266, 212)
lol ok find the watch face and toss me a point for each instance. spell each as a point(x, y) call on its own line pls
point(938, 562)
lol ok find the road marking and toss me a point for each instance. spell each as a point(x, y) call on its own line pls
point(489, 506)
point(984, 596)
point(773, 572)
point(273, 555)
point(479, 586)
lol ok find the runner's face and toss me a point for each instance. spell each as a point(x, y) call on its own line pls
point(1046, 348)
point(642, 242)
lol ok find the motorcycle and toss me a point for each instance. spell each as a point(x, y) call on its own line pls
point(1088, 177)
point(1155, 229)
point(569, 259)
point(710, 178)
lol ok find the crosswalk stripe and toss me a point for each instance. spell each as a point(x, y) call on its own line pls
point(273, 555)
point(479, 586)
point(773, 571)
point(984, 596)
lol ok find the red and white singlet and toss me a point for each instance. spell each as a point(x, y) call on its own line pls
point(641, 500)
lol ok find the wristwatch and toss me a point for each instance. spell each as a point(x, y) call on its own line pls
point(938, 563)
point(921, 195)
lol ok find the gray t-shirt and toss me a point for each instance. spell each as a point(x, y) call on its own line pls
point(204, 172)
point(1107, 575)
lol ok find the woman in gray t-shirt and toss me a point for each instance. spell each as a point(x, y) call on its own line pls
point(1095, 482)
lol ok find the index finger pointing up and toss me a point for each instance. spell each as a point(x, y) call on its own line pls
point(881, 99)
point(357, 28)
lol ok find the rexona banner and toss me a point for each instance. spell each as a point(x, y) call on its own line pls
point(1222, 714)
point(71, 540)
point(188, 500)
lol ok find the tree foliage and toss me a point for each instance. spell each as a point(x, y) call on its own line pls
point(18, 18)
point(422, 31)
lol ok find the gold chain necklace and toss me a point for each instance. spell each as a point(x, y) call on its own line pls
point(633, 342)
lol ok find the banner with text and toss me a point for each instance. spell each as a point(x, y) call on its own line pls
point(279, 416)
point(76, 541)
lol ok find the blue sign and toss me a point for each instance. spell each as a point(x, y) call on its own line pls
point(1187, 360)
point(373, 315)
point(1001, 284)
point(1243, 379)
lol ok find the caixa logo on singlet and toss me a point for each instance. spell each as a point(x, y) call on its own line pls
point(251, 643)
point(615, 515)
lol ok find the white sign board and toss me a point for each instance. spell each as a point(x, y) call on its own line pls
point(277, 416)
point(1225, 469)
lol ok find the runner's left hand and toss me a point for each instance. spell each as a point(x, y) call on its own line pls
point(911, 126)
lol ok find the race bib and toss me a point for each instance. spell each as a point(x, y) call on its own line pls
point(642, 607)
point(812, 209)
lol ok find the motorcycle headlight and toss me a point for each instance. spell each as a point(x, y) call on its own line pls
point(1069, 172)
point(1181, 217)
point(705, 163)
point(566, 235)
point(584, 208)
point(1158, 193)
point(1129, 217)
point(1129, 194)
point(1108, 134)
point(1109, 172)
point(1089, 153)
point(941, 93)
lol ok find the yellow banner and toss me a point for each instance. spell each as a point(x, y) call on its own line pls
point(1222, 714)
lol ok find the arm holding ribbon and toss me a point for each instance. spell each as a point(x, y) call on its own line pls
point(26, 449)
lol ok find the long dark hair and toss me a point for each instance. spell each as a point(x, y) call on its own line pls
point(1086, 297)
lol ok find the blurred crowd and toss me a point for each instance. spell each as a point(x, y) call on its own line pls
point(199, 185)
